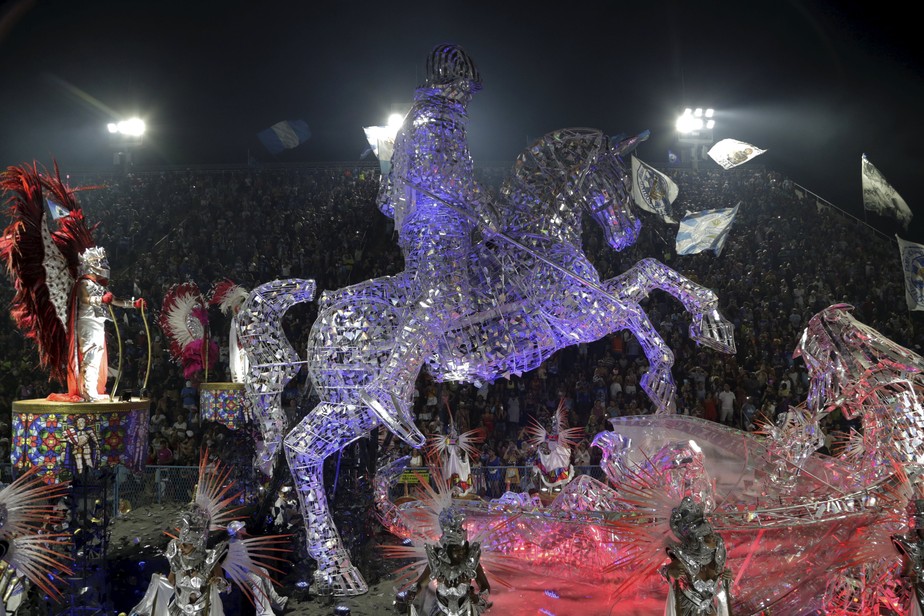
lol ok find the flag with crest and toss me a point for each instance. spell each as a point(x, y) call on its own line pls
point(879, 197)
point(652, 190)
point(705, 230)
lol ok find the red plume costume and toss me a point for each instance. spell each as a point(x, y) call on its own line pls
point(44, 266)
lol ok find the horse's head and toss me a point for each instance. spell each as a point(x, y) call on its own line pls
point(846, 359)
point(573, 171)
point(604, 188)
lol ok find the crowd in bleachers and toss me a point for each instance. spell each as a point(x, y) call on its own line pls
point(786, 258)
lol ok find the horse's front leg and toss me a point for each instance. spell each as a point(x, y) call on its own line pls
point(709, 327)
point(658, 382)
point(325, 430)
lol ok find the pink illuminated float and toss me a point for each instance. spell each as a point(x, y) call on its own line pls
point(802, 531)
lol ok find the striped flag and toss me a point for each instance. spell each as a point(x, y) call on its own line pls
point(912, 256)
point(284, 135)
point(879, 197)
point(705, 230)
point(730, 153)
point(652, 190)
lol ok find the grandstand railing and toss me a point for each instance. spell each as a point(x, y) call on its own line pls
point(161, 485)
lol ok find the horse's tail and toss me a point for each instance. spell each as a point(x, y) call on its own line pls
point(273, 361)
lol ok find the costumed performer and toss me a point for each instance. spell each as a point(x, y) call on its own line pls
point(209, 550)
point(455, 564)
point(29, 555)
point(553, 459)
point(184, 320)
point(453, 452)
point(699, 579)
point(61, 281)
point(230, 297)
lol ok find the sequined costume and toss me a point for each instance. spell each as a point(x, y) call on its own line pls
point(211, 552)
point(230, 298)
point(553, 451)
point(453, 453)
point(194, 570)
point(90, 360)
point(455, 564)
point(697, 573)
point(60, 277)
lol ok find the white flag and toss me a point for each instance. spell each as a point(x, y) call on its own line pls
point(705, 230)
point(913, 267)
point(879, 196)
point(382, 141)
point(730, 153)
point(652, 190)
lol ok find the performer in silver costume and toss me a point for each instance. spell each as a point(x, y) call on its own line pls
point(92, 295)
point(455, 564)
point(911, 547)
point(194, 572)
point(697, 573)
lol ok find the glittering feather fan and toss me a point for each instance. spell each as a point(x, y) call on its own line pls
point(26, 508)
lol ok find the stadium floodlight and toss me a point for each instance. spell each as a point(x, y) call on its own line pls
point(695, 129)
point(395, 121)
point(133, 127)
point(691, 122)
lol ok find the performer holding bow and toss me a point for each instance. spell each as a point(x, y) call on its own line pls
point(61, 280)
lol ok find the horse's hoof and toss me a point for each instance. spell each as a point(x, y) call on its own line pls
point(347, 581)
point(392, 412)
point(715, 332)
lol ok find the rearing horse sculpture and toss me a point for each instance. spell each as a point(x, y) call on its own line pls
point(489, 288)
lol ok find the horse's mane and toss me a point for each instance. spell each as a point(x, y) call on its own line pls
point(543, 167)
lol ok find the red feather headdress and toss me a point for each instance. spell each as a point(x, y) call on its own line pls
point(184, 319)
point(42, 263)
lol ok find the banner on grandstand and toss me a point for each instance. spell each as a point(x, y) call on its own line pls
point(913, 268)
point(705, 230)
point(652, 190)
point(879, 196)
point(730, 153)
point(382, 141)
point(284, 135)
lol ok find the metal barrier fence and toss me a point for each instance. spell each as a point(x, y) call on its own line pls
point(489, 481)
point(159, 485)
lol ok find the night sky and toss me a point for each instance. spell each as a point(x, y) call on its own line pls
point(815, 84)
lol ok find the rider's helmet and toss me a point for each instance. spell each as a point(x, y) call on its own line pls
point(449, 64)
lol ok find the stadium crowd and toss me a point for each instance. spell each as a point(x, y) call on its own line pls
point(787, 257)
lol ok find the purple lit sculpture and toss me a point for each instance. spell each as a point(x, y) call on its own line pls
point(492, 287)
